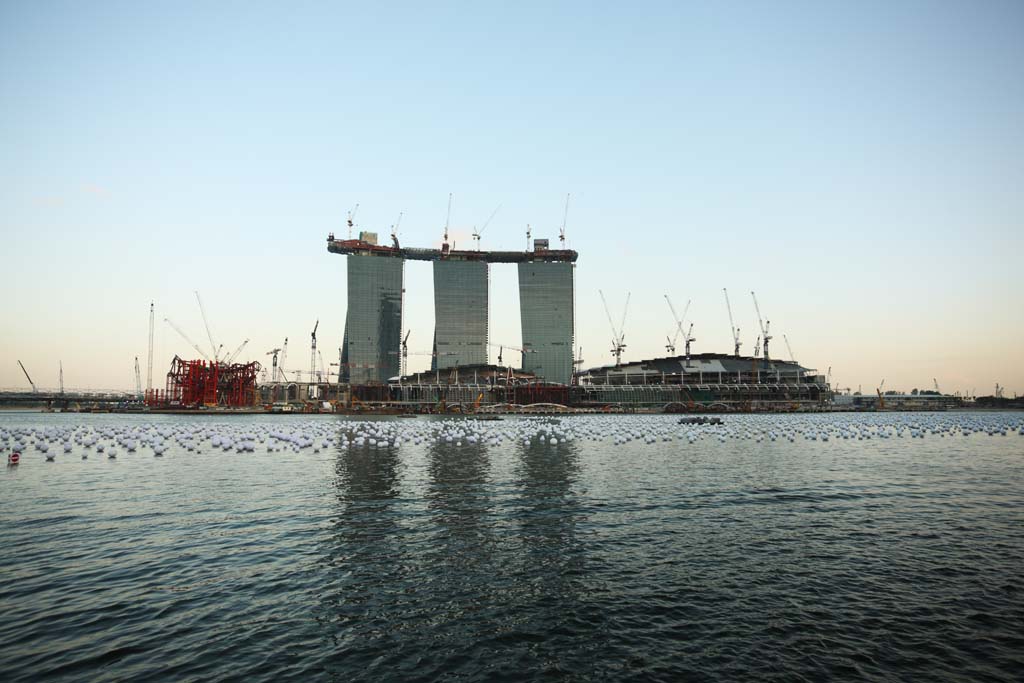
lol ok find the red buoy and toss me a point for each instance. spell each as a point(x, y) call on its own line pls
point(14, 458)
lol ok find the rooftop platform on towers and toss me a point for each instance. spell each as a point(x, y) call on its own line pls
point(369, 247)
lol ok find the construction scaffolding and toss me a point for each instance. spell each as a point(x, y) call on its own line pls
point(199, 383)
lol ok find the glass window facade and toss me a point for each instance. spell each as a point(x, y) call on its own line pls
point(546, 312)
point(373, 322)
point(460, 313)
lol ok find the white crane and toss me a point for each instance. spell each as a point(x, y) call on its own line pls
point(478, 233)
point(565, 217)
point(618, 335)
point(138, 380)
point(732, 327)
point(671, 347)
point(352, 220)
point(274, 352)
point(184, 336)
point(788, 348)
point(231, 358)
point(208, 335)
point(149, 363)
point(31, 383)
point(764, 326)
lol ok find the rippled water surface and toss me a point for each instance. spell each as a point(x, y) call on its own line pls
point(707, 554)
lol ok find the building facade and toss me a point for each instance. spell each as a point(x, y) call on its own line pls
point(547, 318)
point(460, 313)
point(373, 322)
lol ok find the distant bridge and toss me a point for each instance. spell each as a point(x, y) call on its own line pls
point(56, 398)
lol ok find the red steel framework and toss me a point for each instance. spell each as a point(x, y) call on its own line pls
point(194, 383)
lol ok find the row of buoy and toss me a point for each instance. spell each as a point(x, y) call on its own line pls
point(315, 435)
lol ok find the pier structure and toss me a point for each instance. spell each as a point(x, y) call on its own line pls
point(372, 347)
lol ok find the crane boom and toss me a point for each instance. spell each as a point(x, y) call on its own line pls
point(33, 384)
point(184, 336)
point(679, 321)
point(788, 348)
point(231, 358)
point(202, 310)
point(618, 337)
point(732, 326)
point(764, 327)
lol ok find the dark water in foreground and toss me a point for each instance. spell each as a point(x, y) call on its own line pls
point(883, 559)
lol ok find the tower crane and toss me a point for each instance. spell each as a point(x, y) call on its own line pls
point(447, 222)
point(689, 338)
point(565, 217)
point(764, 326)
point(60, 376)
point(478, 233)
point(312, 352)
point(618, 335)
point(936, 382)
point(231, 358)
point(208, 335)
point(352, 220)
point(757, 347)
point(394, 230)
point(138, 380)
point(881, 401)
point(149, 362)
point(788, 348)
point(405, 353)
point(732, 326)
point(679, 323)
point(274, 352)
point(284, 355)
point(186, 338)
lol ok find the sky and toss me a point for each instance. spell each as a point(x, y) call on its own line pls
point(859, 165)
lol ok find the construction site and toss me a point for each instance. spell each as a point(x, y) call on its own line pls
point(544, 374)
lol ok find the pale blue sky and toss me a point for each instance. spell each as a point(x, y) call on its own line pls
point(859, 164)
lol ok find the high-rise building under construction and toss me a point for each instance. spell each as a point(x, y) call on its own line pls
point(372, 348)
point(546, 312)
point(460, 313)
point(373, 321)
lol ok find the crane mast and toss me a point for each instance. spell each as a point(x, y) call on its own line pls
point(618, 335)
point(732, 326)
point(149, 362)
point(138, 380)
point(679, 321)
point(764, 327)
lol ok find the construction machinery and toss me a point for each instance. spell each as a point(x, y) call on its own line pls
point(60, 375)
point(352, 220)
point(149, 362)
point(184, 336)
point(671, 346)
point(31, 383)
point(764, 327)
point(312, 360)
point(274, 353)
point(689, 338)
point(403, 366)
point(478, 233)
point(565, 217)
point(138, 380)
point(732, 326)
point(206, 324)
point(231, 358)
point(881, 400)
point(618, 335)
point(789, 348)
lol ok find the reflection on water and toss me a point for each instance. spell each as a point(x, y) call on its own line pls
point(582, 560)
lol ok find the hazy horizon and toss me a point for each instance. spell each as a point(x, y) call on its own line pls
point(859, 166)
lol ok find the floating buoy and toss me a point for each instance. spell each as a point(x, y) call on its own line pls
point(14, 458)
